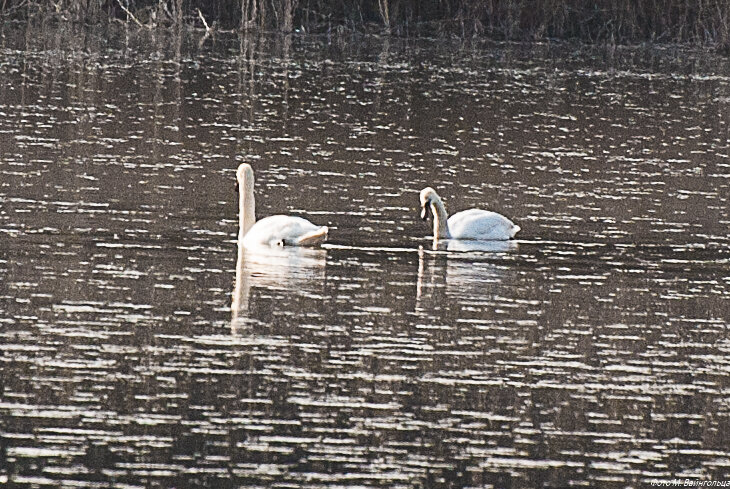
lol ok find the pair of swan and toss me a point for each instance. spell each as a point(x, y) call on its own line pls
point(280, 230)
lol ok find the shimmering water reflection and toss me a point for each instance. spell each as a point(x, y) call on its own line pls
point(142, 348)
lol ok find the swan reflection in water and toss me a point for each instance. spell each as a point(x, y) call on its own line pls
point(459, 268)
point(458, 245)
point(288, 270)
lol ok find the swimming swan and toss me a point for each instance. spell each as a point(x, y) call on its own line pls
point(273, 230)
point(469, 224)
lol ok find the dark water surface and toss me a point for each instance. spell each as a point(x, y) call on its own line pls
point(594, 352)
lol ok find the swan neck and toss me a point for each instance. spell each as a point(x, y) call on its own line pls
point(440, 218)
point(247, 205)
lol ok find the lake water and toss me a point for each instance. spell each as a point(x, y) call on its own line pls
point(592, 352)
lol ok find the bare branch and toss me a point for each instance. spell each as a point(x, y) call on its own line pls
point(130, 14)
point(207, 27)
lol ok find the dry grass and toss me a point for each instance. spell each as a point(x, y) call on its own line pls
point(704, 22)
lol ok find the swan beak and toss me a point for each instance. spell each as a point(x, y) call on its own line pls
point(426, 211)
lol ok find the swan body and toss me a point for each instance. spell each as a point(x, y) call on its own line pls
point(472, 224)
point(283, 230)
point(279, 230)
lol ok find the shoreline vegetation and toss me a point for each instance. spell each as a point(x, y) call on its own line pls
point(696, 22)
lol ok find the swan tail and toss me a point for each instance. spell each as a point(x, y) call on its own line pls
point(314, 238)
point(515, 230)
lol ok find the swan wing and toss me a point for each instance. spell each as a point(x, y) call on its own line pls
point(482, 225)
point(283, 230)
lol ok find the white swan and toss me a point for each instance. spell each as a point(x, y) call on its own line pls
point(475, 224)
point(277, 230)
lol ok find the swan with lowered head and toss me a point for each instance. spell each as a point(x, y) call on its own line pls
point(276, 230)
point(476, 224)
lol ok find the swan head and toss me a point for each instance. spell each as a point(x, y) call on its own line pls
point(428, 195)
point(244, 173)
